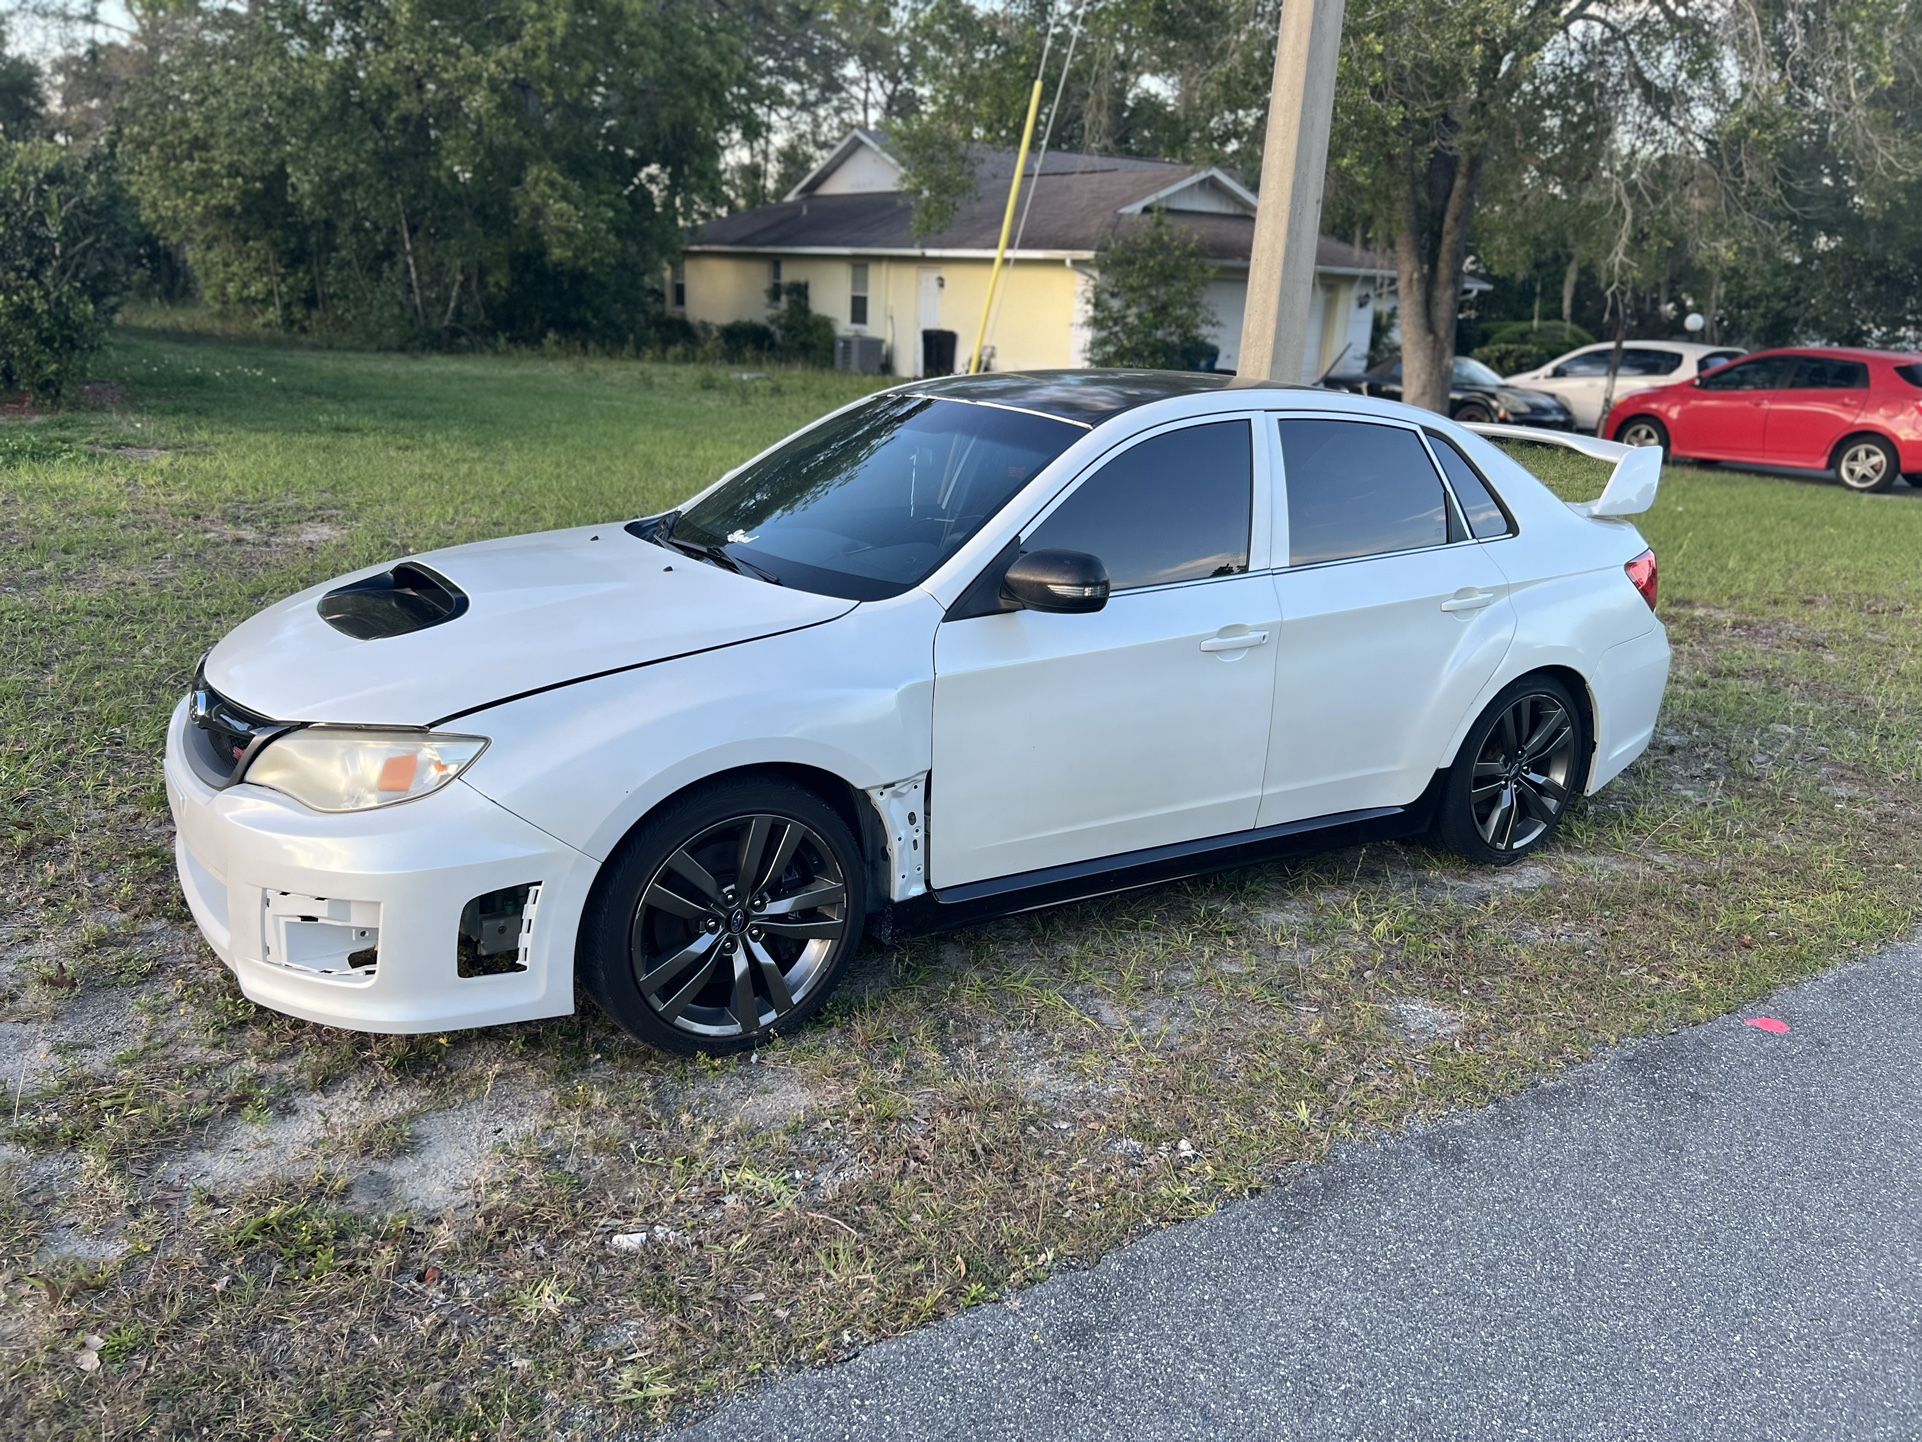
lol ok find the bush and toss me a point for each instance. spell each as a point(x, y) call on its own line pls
point(66, 242)
point(1148, 308)
point(802, 337)
point(1521, 345)
point(745, 340)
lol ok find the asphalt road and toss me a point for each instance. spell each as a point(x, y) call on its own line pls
point(1717, 1234)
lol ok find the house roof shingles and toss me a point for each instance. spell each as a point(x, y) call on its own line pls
point(1077, 205)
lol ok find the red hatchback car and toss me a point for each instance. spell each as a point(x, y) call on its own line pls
point(1857, 413)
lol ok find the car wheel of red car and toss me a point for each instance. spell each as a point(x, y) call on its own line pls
point(1867, 463)
point(1644, 431)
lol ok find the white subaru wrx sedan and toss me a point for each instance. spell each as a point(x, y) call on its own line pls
point(966, 646)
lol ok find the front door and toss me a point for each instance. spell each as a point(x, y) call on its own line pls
point(927, 311)
point(1393, 618)
point(1064, 738)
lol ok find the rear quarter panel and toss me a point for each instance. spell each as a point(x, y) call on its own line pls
point(1574, 606)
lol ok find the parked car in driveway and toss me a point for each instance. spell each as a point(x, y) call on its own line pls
point(1476, 395)
point(967, 646)
point(1854, 413)
point(1580, 378)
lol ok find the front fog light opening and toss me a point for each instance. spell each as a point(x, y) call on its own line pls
point(496, 931)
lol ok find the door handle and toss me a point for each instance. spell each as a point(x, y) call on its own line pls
point(1240, 642)
point(1468, 599)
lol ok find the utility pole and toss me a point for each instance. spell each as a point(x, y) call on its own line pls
point(1294, 159)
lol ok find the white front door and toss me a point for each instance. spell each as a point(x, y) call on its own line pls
point(927, 311)
point(1393, 620)
point(1063, 738)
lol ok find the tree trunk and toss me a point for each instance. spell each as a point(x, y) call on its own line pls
point(1569, 277)
point(1431, 259)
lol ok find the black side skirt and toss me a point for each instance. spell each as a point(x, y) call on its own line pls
point(1056, 885)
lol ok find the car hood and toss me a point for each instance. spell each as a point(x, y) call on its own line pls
point(1521, 398)
point(481, 623)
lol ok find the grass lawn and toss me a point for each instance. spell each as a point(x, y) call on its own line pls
point(215, 1219)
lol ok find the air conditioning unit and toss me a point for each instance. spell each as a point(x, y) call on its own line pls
point(862, 354)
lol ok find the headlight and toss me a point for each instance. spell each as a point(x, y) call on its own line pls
point(331, 768)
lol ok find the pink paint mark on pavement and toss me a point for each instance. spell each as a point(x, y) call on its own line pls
point(1768, 1024)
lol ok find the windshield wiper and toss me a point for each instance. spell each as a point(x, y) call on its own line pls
point(715, 554)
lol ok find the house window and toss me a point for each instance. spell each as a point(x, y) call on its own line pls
point(774, 274)
point(680, 285)
point(858, 293)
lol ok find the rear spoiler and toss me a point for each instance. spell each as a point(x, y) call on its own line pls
point(1631, 487)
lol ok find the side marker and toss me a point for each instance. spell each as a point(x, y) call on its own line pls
point(1768, 1024)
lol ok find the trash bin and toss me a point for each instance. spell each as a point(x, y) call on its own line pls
point(937, 352)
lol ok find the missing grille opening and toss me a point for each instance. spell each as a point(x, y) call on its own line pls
point(495, 930)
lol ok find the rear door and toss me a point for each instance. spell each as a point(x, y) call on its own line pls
point(1393, 616)
point(1725, 416)
point(1818, 408)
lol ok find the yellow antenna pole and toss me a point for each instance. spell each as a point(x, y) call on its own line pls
point(1007, 226)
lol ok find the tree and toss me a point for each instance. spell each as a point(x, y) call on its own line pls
point(66, 232)
point(1440, 102)
point(1148, 308)
point(442, 170)
point(21, 105)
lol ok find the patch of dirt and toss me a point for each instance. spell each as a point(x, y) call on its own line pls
point(1424, 1021)
point(452, 1151)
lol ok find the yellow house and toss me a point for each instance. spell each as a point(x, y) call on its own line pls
point(844, 231)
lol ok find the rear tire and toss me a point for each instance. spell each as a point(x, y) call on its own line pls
point(726, 918)
point(1866, 464)
point(1522, 764)
point(1644, 431)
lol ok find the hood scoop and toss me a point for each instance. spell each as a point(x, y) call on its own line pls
point(408, 598)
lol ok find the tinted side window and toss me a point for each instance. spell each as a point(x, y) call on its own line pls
point(1912, 374)
point(1818, 373)
point(1583, 366)
point(1771, 373)
point(1716, 358)
point(1639, 361)
point(1359, 490)
point(1174, 508)
point(1486, 518)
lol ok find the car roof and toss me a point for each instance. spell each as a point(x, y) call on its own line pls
point(1085, 397)
point(1841, 352)
point(1680, 347)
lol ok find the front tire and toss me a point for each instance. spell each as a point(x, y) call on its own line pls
point(725, 919)
point(1866, 464)
point(1644, 431)
point(1523, 762)
point(1473, 414)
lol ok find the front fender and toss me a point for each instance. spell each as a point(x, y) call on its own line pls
point(585, 762)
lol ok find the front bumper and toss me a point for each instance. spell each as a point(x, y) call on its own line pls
point(294, 901)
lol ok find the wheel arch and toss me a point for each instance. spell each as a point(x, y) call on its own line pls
point(849, 802)
point(1865, 433)
point(1615, 431)
point(1560, 670)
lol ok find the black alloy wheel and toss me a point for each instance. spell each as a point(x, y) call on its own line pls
point(727, 919)
point(1524, 761)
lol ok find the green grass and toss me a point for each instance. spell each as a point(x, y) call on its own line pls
point(546, 1227)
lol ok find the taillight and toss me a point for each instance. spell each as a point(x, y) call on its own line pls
point(1641, 575)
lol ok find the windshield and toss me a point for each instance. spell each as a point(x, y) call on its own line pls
point(1471, 372)
point(871, 502)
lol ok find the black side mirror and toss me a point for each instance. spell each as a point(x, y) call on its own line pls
point(1056, 581)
